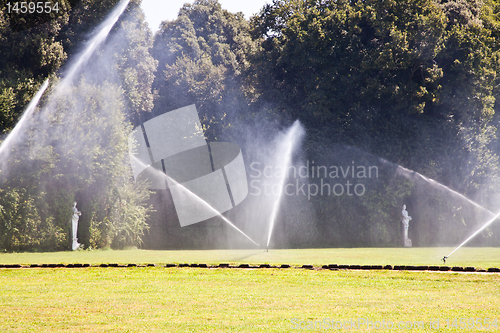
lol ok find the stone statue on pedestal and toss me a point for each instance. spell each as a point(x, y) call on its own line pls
point(74, 227)
point(405, 219)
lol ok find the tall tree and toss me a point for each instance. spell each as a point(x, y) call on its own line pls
point(131, 44)
point(413, 82)
point(30, 53)
point(78, 149)
point(202, 57)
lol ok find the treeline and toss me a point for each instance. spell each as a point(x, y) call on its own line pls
point(75, 147)
point(384, 83)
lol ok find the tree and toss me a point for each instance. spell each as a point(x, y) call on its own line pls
point(130, 45)
point(412, 82)
point(76, 148)
point(202, 58)
point(30, 53)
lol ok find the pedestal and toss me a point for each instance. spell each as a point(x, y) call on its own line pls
point(75, 245)
point(406, 240)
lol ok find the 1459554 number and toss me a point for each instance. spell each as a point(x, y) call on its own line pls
point(32, 7)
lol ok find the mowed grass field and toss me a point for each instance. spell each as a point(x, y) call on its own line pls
point(159, 299)
point(466, 256)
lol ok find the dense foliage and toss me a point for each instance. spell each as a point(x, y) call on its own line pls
point(203, 59)
point(411, 83)
point(76, 147)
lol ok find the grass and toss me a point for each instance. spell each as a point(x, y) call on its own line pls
point(477, 257)
point(159, 299)
point(155, 299)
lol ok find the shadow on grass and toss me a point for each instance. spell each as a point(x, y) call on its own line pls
point(247, 256)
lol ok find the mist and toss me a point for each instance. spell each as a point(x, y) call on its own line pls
point(318, 174)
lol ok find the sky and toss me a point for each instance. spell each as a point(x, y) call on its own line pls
point(157, 11)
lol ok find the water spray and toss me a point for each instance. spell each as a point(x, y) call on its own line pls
point(24, 118)
point(197, 198)
point(473, 235)
point(291, 137)
point(103, 31)
point(433, 182)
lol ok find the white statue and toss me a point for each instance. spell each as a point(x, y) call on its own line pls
point(74, 227)
point(405, 219)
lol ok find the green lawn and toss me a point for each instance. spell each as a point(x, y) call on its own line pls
point(157, 299)
point(477, 257)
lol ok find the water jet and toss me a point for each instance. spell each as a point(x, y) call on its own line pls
point(487, 224)
point(286, 147)
point(69, 74)
point(102, 32)
point(13, 135)
point(192, 195)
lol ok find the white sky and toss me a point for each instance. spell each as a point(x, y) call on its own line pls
point(166, 10)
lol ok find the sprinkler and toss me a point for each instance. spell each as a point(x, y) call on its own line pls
point(474, 234)
point(444, 259)
point(194, 196)
point(290, 139)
